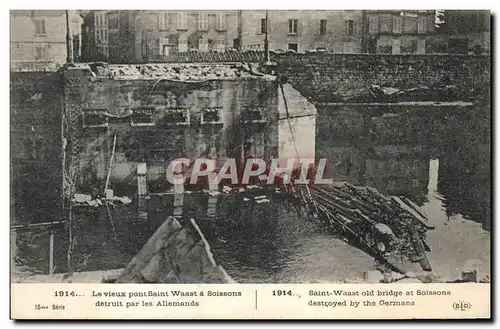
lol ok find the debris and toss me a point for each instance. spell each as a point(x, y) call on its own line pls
point(429, 278)
point(259, 197)
point(82, 198)
point(471, 269)
point(409, 280)
point(93, 203)
point(262, 201)
point(373, 276)
point(123, 199)
point(142, 168)
point(469, 275)
point(246, 199)
point(109, 194)
point(486, 279)
point(251, 187)
point(389, 228)
point(410, 274)
point(214, 193)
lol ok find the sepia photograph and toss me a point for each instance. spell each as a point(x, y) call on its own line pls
point(250, 146)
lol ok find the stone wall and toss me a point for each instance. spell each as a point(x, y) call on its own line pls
point(163, 140)
point(35, 146)
point(331, 77)
point(328, 77)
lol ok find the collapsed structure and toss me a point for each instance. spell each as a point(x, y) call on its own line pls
point(127, 120)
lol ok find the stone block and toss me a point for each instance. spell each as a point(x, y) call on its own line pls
point(373, 276)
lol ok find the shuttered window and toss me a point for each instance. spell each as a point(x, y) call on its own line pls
point(220, 22)
point(422, 25)
point(397, 22)
point(163, 19)
point(293, 26)
point(373, 24)
point(181, 21)
point(202, 21)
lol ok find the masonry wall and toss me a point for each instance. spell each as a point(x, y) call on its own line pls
point(330, 77)
point(162, 142)
point(35, 146)
point(327, 77)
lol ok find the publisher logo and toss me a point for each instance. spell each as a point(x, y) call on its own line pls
point(462, 306)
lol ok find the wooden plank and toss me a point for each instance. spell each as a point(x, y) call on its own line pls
point(415, 215)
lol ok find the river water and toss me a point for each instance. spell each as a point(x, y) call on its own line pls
point(439, 159)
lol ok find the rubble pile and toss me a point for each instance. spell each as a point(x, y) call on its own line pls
point(385, 94)
point(181, 72)
point(389, 228)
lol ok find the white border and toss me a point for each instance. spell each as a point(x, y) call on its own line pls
point(190, 4)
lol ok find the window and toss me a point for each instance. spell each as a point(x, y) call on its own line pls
point(177, 116)
point(409, 47)
point(183, 45)
point(396, 46)
point(40, 27)
point(396, 24)
point(349, 27)
point(220, 44)
point(293, 26)
point(421, 46)
point(293, 46)
point(349, 47)
point(211, 116)
point(181, 21)
point(203, 44)
point(142, 117)
point(113, 23)
point(164, 46)
point(458, 46)
point(202, 21)
point(40, 52)
point(95, 118)
point(253, 116)
point(97, 20)
point(322, 27)
point(163, 19)
point(220, 22)
point(422, 25)
point(410, 24)
point(371, 46)
point(236, 43)
point(263, 25)
point(384, 46)
point(372, 24)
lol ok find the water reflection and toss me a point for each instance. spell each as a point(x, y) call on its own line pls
point(394, 152)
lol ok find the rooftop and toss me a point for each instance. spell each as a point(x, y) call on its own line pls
point(167, 71)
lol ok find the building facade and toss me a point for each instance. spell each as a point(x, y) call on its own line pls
point(161, 33)
point(101, 33)
point(38, 39)
point(398, 32)
point(467, 31)
point(138, 36)
point(337, 31)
